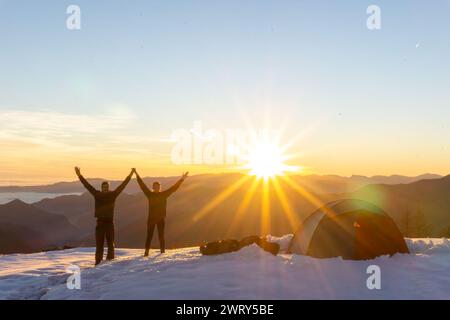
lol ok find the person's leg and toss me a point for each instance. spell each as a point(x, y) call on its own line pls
point(99, 242)
point(162, 242)
point(148, 242)
point(110, 240)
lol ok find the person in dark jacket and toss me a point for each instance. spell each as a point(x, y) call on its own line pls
point(104, 212)
point(157, 203)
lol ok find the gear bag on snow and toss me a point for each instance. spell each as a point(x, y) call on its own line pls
point(231, 245)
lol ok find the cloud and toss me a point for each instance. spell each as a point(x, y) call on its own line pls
point(51, 124)
point(59, 130)
point(114, 132)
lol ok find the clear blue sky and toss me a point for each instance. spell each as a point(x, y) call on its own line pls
point(169, 63)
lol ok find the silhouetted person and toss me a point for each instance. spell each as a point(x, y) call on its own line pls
point(104, 212)
point(157, 202)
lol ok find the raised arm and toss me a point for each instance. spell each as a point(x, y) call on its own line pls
point(175, 187)
point(85, 183)
point(143, 186)
point(124, 184)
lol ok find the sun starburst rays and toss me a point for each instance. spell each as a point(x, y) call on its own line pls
point(268, 170)
point(244, 205)
point(221, 197)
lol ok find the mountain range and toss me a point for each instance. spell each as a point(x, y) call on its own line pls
point(27, 228)
point(212, 207)
point(321, 183)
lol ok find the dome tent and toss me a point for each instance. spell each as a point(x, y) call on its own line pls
point(351, 229)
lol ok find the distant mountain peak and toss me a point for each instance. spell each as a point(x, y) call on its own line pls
point(16, 202)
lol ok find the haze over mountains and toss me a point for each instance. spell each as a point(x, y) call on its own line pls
point(27, 228)
point(326, 183)
point(203, 209)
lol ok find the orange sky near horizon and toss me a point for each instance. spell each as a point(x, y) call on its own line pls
point(38, 167)
point(53, 144)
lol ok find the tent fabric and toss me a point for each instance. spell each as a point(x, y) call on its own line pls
point(351, 229)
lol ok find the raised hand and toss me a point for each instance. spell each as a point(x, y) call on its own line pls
point(184, 176)
point(78, 171)
point(133, 171)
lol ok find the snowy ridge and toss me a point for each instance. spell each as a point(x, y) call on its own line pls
point(428, 246)
point(248, 274)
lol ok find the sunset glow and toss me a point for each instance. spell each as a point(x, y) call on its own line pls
point(266, 160)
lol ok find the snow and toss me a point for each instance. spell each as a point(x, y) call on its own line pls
point(283, 241)
point(247, 274)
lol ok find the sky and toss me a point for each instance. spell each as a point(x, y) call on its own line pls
point(109, 96)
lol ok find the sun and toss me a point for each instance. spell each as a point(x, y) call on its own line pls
point(266, 160)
